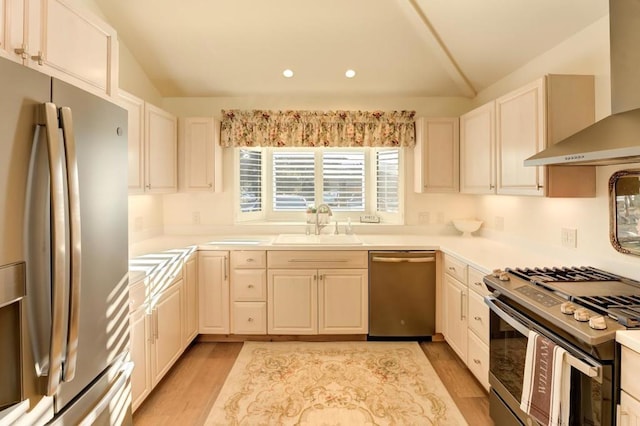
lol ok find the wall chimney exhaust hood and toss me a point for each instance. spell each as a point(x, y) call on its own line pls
point(614, 139)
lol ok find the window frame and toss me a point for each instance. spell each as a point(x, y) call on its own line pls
point(267, 214)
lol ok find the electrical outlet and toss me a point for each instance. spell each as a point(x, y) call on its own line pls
point(138, 224)
point(569, 237)
point(195, 218)
point(423, 218)
point(499, 223)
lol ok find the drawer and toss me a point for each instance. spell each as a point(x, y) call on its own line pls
point(628, 372)
point(137, 293)
point(456, 268)
point(317, 259)
point(249, 318)
point(475, 281)
point(248, 259)
point(478, 359)
point(248, 285)
point(478, 316)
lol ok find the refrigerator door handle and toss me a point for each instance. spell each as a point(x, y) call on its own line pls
point(48, 116)
point(66, 121)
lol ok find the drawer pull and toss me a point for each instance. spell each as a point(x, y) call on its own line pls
point(250, 319)
point(318, 260)
point(250, 286)
point(477, 361)
point(479, 284)
point(451, 268)
point(477, 318)
point(251, 259)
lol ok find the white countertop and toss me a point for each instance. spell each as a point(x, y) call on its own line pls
point(630, 339)
point(482, 253)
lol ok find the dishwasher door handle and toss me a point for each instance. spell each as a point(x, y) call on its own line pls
point(403, 259)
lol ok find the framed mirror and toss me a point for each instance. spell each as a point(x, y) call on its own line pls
point(624, 211)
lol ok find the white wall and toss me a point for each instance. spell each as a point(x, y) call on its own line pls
point(216, 210)
point(539, 221)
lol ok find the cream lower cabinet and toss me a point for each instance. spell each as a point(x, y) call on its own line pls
point(190, 277)
point(629, 407)
point(213, 290)
point(166, 328)
point(305, 299)
point(248, 292)
point(140, 339)
point(465, 316)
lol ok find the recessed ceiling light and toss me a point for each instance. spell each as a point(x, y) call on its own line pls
point(287, 73)
point(350, 73)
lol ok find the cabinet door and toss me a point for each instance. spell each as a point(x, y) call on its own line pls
point(478, 151)
point(140, 355)
point(343, 301)
point(74, 45)
point(161, 150)
point(167, 345)
point(213, 287)
point(202, 155)
point(454, 296)
point(436, 155)
point(12, 37)
point(520, 122)
point(191, 299)
point(135, 110)
point(628, 410)
point(292, 301)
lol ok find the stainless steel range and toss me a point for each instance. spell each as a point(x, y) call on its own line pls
point(580, 309)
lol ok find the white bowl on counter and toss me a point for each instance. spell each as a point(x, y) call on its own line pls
point(467, 226)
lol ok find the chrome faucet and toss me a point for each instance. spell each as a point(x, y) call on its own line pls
point(322, 208)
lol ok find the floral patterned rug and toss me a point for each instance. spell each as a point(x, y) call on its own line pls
point(336, 383)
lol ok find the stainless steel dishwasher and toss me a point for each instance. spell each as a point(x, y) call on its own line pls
point(402, 293)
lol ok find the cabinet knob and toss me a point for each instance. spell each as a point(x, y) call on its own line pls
point(251, 259)
point(477, 361)
point(250, 286)
point(39, 58)
point(451, 268)
point(479, 284)
point(477, 318)
point(250, 319)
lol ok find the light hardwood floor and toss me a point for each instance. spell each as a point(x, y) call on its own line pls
point(188, 391)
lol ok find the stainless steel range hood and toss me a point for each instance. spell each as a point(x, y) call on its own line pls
point(614, 139)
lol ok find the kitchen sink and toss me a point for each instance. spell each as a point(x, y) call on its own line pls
point(323, 239)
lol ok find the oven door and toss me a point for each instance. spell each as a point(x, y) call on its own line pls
point(591, 387)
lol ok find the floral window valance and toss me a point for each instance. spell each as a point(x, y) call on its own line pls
point(255, 128)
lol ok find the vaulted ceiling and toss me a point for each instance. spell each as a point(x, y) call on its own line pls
point(396, 47)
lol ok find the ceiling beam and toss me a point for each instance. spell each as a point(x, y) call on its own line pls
point(432, 39)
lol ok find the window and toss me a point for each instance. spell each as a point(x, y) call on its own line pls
point(351, 181)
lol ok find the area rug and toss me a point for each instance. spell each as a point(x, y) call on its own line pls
point(336, 383)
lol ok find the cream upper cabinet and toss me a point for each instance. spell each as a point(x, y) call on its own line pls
point(478, 150)
point(135, 109)
point(12, 17)
point(201, 155)
point(213, 285)
point(153, 147)
point(534, 116)
point(161, 150)
point(68, 42)
point(436, 155)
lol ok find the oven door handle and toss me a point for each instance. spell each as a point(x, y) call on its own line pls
point(584, 366)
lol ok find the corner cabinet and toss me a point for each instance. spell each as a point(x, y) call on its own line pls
point(63, 40)
point(436, 155)
point(190, 278)
point(478, 150)
point(317, 292)
point(533, 117)
point(153, 147)
point(201, 155)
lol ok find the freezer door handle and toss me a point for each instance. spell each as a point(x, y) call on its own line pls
point(66, 120)
point(47, 115)
point(124, 375)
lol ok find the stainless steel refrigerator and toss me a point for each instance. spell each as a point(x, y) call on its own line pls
point(63, 254)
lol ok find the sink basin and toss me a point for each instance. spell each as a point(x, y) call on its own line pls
point(324, 239)
point(236, 241)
